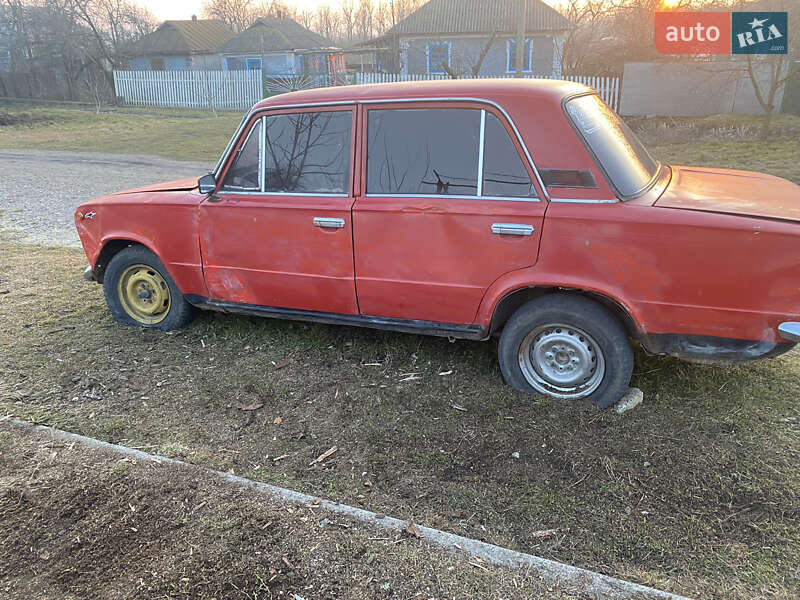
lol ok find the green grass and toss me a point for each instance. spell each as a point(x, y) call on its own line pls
point(197, 138)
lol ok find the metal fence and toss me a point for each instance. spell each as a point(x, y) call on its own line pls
point(239, 90)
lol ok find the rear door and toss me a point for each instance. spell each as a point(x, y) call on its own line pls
point(447, 205)
point(278, 232)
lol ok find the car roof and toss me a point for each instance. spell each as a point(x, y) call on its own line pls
point(484, 89)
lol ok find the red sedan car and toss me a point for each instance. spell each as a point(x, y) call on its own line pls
point(465, 209)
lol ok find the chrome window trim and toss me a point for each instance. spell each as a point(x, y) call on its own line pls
point(453, 197)
point(246, 118)
point(481, 151)
point(284, 194)
point(584, 201)
point(260, 155)
point(481, 101)
point(502, 111)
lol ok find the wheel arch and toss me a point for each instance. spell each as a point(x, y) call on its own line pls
point(514, 299)
point(112, 247)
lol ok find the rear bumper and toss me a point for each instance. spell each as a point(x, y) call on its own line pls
point(88, 274)
point(790, 331)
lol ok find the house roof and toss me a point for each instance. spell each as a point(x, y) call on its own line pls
point(480, 16)
point(274, 35)
point(198, 36)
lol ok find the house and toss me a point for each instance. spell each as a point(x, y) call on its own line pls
point(279, 46)
point(181, 46)
point(451, 36)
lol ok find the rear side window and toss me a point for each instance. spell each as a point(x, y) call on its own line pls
point(245, 172)
point(504, 174)
point(423, 151)
point(308, 153)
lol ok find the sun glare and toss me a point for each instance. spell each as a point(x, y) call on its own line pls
point(670, 3)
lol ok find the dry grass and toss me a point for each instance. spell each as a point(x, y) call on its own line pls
point(83, 523)
point(697, 491)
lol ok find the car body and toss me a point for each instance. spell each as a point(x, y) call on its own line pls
point(379, 221)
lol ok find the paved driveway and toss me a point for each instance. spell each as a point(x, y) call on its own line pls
point(39, 189)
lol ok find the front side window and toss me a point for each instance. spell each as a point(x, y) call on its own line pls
point(504, 173)
point(423, 151)
point(621, 154)
point(308, 153)
point(245, 171)
point(438, 57)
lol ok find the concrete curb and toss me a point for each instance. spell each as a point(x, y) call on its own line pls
point(569, 578)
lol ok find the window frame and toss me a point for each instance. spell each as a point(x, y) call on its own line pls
point(428, 49)
point(263, 114)
point(483, 108)
point(240, 147)
point(510, 58)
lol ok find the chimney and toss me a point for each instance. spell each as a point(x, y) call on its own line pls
point(194, 17)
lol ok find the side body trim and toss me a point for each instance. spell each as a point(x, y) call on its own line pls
point(449, 330)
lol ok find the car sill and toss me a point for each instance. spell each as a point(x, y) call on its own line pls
point(448, 330)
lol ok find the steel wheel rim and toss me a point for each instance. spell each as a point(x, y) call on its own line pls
point(144, 294)
point(562, 361)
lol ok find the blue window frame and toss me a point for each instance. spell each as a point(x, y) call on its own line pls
point(253, 64)
point(438, 55)
point(512, 56)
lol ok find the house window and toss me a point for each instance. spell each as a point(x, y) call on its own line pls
point(438, 57)
point(157, 64)
point(253, 64)
point(512, 56)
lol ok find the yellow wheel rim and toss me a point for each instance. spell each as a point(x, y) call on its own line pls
point(144, 294)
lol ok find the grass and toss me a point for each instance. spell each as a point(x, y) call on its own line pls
point(83, 523)
point(725, 141)
point(696, 491)
point(196, 138)
point(720, 141)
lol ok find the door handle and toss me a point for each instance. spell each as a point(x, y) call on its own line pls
point(328, 223)
point(512, 229)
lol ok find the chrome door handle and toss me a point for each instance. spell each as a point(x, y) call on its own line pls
point(512, 229)
point(328, 223)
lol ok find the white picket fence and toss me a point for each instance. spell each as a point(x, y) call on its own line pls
point(607, 87)
point(234, 90)
point(239, 90)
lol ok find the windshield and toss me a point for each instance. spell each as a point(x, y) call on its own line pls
point(622, 156)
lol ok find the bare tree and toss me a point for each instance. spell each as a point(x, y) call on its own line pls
point(236, 13)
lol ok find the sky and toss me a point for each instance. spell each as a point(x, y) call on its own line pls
point(184, 9)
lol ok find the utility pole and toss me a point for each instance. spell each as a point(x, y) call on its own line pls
point(519, 56)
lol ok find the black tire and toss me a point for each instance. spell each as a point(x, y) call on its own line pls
point(177, 314)
point(548, 316)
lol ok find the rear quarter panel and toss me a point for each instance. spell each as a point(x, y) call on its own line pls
point(675, 271)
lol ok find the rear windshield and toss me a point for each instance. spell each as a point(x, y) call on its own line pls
point(623, 157)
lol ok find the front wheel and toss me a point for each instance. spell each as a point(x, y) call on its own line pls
point(140, 292)
point(567, 347)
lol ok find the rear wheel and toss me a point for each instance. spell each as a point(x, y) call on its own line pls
point(567, 347)
point(140, 292)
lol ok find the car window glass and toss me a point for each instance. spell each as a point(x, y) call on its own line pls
point(245, 170)
point(623, 156)
point(423, 151)
point(308, 152)
point(504, 173)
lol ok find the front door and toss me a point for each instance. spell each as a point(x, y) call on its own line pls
point(449, 206)
point(278, 232)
